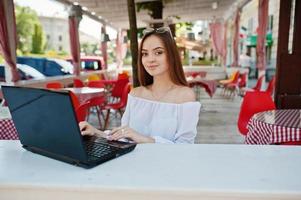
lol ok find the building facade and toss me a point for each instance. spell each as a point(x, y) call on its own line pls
point(56, 33)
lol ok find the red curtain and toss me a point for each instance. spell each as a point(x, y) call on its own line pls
point(263, 10)
point(74, 44)
point(236, 40)
point(121, 48)
point(104, 47)
point(118, 49)
point(5, 48)
point(225, 44)
point(218, 36)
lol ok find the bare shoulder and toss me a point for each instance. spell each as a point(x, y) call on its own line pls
point(138, 91)
point(185, 94)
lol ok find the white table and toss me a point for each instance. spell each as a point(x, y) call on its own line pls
point(157, 172)
point(85, 93)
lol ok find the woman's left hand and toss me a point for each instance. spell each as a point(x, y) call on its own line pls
point(128, 133)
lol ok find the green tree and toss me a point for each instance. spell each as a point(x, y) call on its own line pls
point(88, 48)
point(155, 11)
point(26, 18)
point(37, 40)
point(154, 8)
point(183, 27)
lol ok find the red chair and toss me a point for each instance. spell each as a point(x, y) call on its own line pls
point(118, 106)
point(118, 88)
point(75, 100)
point(239, 85)
point(82, 111)
point(233, 82)
point(96, 84)
point(54, 85)
point(253, 102)
point(77, 83)
point(123, 75)
point(258, 83)
point(257, 87)
point(230, 79)
point(271, 86)
point(235, 87)
point(98, 103)
point(243, 80)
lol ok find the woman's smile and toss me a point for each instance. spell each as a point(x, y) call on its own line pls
point(152, 67)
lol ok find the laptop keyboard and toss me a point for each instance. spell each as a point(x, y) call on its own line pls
point(98, 149)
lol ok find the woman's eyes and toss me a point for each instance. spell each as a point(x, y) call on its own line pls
point(155, 53)
point(158, 52)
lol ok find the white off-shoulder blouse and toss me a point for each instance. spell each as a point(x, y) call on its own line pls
point(165, 122)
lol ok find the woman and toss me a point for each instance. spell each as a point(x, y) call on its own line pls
point(163, 109)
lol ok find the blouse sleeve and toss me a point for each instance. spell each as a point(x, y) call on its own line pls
point(126, 115)
point(186, 127)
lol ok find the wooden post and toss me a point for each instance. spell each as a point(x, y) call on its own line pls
point(133, 39)
point(288, 71)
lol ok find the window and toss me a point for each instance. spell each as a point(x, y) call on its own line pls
point(60, 38)
point(60, 48)
point(48, 37)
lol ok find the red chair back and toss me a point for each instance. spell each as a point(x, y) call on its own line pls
point(119, 105)
point(117, 90)
point(230, 79)
point(123, 75)
point(236, 78)
point(77, 83)
point(82, 111)
point(258, 83)
point(271, 86)
point(75, 100)
point(54, 85)
point(253, 102)
point(243, 80)
point(124, 97)
point(97, 101)
point(96, 84)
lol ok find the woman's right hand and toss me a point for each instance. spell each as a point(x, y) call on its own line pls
point(88, 129)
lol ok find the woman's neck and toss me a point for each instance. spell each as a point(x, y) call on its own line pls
point(162, 83)
point(161, 88)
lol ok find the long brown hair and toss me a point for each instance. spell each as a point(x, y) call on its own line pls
point(176, 71)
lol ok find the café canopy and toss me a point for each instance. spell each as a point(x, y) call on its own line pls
point(115, 12)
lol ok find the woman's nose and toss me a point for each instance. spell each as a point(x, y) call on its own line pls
point(151, 58)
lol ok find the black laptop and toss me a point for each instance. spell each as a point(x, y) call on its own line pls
point(46, 124)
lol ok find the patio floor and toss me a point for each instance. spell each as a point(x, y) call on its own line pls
point(218, 120)
point(217, 123)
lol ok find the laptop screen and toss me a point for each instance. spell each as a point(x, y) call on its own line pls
point(45, 120)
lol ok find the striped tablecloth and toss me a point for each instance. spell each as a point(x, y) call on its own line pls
point(8, 130)
point(275, 126)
